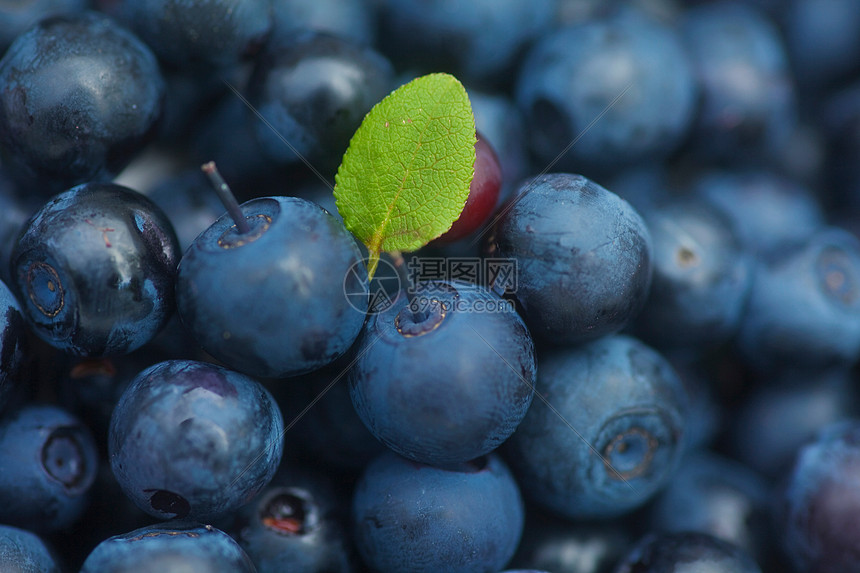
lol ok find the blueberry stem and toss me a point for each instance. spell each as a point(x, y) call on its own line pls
point(400, 267)
point(227, 197)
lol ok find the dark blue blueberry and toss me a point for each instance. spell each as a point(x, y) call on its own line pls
point(16, 17)
point(25, 552)
point(411, 517)
point(822, 40)
point(191, 439)
point(766, 210)
point(14, 212)
point(14, 346)
point(583, 257)
point(285, 298)
point(560, 545)
point(686, 552)
point(79, 95)
point(716, 495)
point(606, 431)
point(351, 19)
point(313, 91)
point(49, 463)
point(297, 524)
point(818, 506)
point(447, 382)
point(701, 280)
point(172, 546)
point(330, 432)
point(775, 420)
point(606, 93)
point(804, 305)
point(94, 270)
point(479, 40)
point(190, 33)
point(747, 108)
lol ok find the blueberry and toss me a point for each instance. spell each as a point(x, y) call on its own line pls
point(766, 210)
point(775, 420)
point(747, 107)
point(49, 463)
point(297, 523)
point(448, 382)
point(80, 95)
point(716, 495)
point(821, 40)
point(14, 345)
point(350, 19)
point(408, 516)
point(701, 280)
point(478, 40)
point(314, 90)
point(191, 439)
point(686, 551)
point(172, 546)
point(285, 298)
point(605, 93)
point(556, 544)
point(94, 269)
point(16, 17)
point(191, 33)
point(607, 433)
point(583, 257)
point(804, 305)
point(330, 433)
point(22, 550)
point(817, 506)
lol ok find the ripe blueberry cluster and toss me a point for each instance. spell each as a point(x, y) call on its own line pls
point(635, 350)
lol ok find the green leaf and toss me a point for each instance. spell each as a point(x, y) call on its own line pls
point(405, 177)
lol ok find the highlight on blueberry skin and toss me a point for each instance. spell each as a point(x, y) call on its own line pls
point(100, 107)
point(286, 297)
point(583, 257)
point(194, 440)
point(94, 270)
point(446, 383)
point(49, 463)
point(412, 517)
point(618, 413)
point(173, 546)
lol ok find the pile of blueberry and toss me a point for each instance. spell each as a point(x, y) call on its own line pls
point(634, 352)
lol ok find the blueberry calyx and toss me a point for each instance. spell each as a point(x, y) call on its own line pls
point(288, 513)
point(629, 454)
point(837, 280)
point(64, 459)
point(45, 288)
point(411, 321)
point(234, 237)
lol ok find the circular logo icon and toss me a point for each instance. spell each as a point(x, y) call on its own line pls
point(380, 291)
